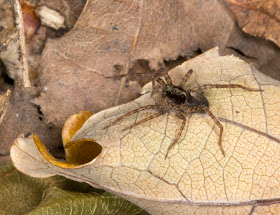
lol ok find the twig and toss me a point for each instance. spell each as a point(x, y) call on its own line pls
point(22, 45)
point(131, 52)
point(4, 102)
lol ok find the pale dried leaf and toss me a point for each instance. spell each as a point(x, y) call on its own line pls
point(195, 178)
point(50, 17)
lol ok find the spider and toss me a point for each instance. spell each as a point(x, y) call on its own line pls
point(176, 99)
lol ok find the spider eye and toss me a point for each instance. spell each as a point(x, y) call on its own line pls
point(169, 92)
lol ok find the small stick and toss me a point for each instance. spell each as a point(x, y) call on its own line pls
point(131, 52)
point(22, 45)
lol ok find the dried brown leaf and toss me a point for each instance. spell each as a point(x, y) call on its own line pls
point(77, 71)
point(23, 117)
point(258, 18)
point(195, 178)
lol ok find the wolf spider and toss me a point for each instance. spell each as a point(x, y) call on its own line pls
point(182, 102)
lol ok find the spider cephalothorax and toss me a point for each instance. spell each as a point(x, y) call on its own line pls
point(174, 94)
point(171, 98)
point(178, 96)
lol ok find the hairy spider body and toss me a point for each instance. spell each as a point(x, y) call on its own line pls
point(175, 99)
point(197, 100)
point(174, 94)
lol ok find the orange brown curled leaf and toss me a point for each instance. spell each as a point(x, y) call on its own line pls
point(73, 124)
point(81, 151)
point(30, 20)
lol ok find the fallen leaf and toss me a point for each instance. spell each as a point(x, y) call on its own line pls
point(258, 18)
point(195, 177)
point(21, 194)
point(9, 48)
point(62, 202)
point(50, 17)
point(23, 117)
point(73, 124)
point(81, 153)
point(4, 102)
point(78, 71)
point(8, 40)
point(71, 10)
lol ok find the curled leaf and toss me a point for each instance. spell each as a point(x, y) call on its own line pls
point(73, 124)
point(195, 177)
point(80, 151)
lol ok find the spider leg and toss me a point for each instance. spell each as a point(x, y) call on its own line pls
point(167, 77)
point(177, 138)
point(155, 89)
point(209, 86)
point(143, 120)
point(160, 81)
point(186, 78)
point(206, 109)
point(130, 113)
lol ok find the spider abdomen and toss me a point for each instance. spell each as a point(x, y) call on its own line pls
point(197, 100)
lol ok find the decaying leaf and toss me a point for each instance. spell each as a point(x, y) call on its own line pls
point(23, 117)
point(4, 101)
point(195, 177)
point(78, 71)
point(258, 18)
point(22, 194)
